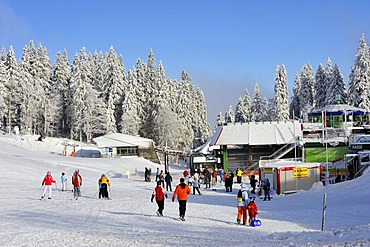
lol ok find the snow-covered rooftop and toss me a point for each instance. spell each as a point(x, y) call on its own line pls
point(257, 133)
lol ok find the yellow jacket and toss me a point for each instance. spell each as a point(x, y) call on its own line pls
point(104, 180)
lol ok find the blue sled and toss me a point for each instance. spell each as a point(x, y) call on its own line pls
point(256, 223)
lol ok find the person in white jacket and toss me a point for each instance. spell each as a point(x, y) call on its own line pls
point(242, 199)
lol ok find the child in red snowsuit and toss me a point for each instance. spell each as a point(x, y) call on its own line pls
point(252, 210)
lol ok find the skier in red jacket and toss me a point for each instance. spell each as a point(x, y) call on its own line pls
point(77, 182)
point(159, 194)
point(47, 182)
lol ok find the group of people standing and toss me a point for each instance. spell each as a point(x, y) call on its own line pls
point(246, 203)
point(48, 180)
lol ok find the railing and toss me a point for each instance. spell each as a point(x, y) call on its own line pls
point(282, 151)
point(363, 168)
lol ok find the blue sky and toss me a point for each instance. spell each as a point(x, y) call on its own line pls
point(225, 46)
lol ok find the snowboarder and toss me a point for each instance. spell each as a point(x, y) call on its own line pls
point(242, 199)
point(159, 194)
point(252, 210)
point(103, 186)
point(182, 191)
point(168, 179)
point(64, 182)
point(266, 189)
point(47, 182)
point(77, 183)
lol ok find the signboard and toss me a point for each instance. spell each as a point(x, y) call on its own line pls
point(268, 170)
point(300, 172)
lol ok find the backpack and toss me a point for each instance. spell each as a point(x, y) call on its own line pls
point(159, 193)
point(240, 196)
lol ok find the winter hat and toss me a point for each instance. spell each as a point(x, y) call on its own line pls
point(159, 183)
point(252, 199)
point(182, 180)
point(243, 185)
point(48, 172)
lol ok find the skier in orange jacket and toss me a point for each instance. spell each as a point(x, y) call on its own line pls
point(182, 191)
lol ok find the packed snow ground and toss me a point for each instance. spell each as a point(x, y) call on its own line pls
point(129, 218)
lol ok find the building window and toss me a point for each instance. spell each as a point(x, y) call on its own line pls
point(127, 151)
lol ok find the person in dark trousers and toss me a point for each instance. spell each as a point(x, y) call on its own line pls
point(229, 183)
point(266, 189)
point(253, 182)
point(159, 194)
point(77, 183)
point(168, 179)
point(196, 185)
point(182, 191)
point(103, 186)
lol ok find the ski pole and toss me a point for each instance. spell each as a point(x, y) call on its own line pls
point(96, 193)
point(56, 187)
point(110, 194)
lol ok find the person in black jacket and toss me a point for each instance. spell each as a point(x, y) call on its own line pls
point(168, 179)
point(229, 183)
point(253, 183)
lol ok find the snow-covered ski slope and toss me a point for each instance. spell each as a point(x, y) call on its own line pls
point(130, 219)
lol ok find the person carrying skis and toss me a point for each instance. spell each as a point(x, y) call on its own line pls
point(159, 194)
point(182, 191)
point(252, 210)
point(103, 186)
point(242, 199)
point(47, 182)
point(77, 183)
point(64, 182)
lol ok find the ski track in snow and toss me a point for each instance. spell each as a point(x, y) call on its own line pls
point(129, 218)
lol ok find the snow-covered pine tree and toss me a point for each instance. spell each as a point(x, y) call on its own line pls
point(294, 104)
point(281, 95)
point(3, 81)
point(328, 75)
point(320, 88)
point(27, 100)
point(130, 121)
point(229, 115)
point(306, 99)
point(11, 91)
point(359, 78)
point(115, 84)
point(61, 78)
point(203, 130)
point(270, 106)
point(247, 103)
point(185, 108)
point(220, 120)
point(51, 102)
point(257, 109)
point(240, 112)
point(337, 87)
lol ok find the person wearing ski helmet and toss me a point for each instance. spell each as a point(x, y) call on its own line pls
point(47, 183)
point(242, 199)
